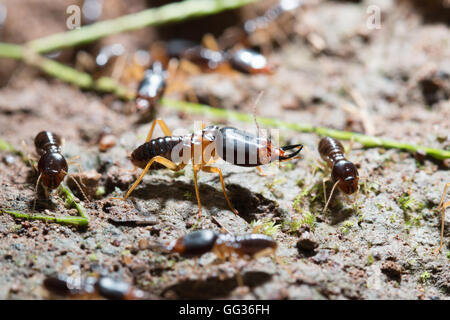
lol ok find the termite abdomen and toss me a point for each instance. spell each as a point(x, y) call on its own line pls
point(195, 243)
point(249, 61)
point(112, 289)
point(162, 146)
point(253, 244)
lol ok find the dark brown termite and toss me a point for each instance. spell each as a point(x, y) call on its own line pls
point(52, 166)
point(344, 174)
point(204, 147)
point(92, 288)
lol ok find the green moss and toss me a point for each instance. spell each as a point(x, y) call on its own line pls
point(370, 260)
point(407, 203)
point(271, 185)
point(425, 277)
point(346, 226)
point(288, 166)
point(187, 195)
point(267, 227)
point(295, 224)
point(179, 173)
point(393, 218)
point(93, 257)
point(300, 183)
point(100, 192)
point(448, 254)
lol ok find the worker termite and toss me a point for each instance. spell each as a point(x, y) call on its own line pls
point(92, 288)
point(343, 172)
point(222, 245)
point(443, 205)
point(243, 60)
point(225, 246)
point(204, 147)
point(52, 166)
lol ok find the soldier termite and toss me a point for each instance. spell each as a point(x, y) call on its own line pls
point(204, 147)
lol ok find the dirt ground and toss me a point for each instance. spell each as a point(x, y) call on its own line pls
point(380, 247)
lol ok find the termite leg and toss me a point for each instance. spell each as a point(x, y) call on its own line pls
point(221, 226)
point(444, 205)
point(443, 195)
point(262, 173)
point(324, 186)
point(218, 171)
point(79, 187)
point(239, 279)
point(350, 146)
point(331, 195)
point(282, 264)
point(36, 190)
point(196, 168)
point(165, 162)
point(165, 129)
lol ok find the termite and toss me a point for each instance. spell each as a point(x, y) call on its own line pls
point(343, 172)
point(225, 246)
point(204, 147)
point(92, 288)
point(152, 87)
point(249, 61)
point(52, 166)
point(222, 245)
point(243, 60)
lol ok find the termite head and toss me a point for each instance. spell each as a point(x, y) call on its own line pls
point(248, 150)
point(283, 156)
point(346, 173)
point(195, 243)
point(53, 168)
point(139, 156)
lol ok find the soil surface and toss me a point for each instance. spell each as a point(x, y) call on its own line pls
point(332, 71)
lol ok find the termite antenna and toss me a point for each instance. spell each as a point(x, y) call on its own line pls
point(79, 187)
point(283, 264)
point(331, 195)
point(220, 225)
point(35, 190)
point(254, 110)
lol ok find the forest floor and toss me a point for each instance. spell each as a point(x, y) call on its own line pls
point(379, 247)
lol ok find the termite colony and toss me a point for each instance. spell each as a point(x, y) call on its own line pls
point(155, 74)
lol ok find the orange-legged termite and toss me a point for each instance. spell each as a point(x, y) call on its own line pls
point(203, 148)
point(247, 246)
